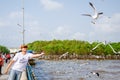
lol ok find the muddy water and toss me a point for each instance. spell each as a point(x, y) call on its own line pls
point(77, 70)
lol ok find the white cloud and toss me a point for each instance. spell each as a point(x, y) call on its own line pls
point(2, 24)
point(15, 14)
point(32, 31)
point(79, 36)
point(51, 4)
point(66, 32)
point(61, 32)
point(18, 15)
point(110, 25)
point(107, 28)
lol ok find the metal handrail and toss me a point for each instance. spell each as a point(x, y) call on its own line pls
point(30, 73)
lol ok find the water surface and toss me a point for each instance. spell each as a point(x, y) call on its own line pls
point(77, 70)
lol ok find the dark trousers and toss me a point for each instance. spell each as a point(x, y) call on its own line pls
point(6, 60)
point(0, 69)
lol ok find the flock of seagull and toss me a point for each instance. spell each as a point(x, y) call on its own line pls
point(96, 14)
point(94, 17)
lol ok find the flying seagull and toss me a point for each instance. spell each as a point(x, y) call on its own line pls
point(96, 14)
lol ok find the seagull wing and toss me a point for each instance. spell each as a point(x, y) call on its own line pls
point(92, 5)
point(100, 13)
point(86, 15)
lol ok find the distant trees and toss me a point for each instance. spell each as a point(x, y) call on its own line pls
point(58, 47)
point(4, 49)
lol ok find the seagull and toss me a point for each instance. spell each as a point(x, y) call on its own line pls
point(96, 14)
point(64, 55)
point(96, 73)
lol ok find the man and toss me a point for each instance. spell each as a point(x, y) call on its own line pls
point(1, 63)
point(19, 62)
point(7, 57)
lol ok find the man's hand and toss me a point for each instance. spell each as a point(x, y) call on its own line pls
point(6, 71)
point(42, 53)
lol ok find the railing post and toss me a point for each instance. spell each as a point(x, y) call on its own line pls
point(30, 74)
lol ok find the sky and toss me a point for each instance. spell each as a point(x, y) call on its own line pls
point(58, 19)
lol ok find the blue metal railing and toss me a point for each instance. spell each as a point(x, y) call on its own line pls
point(30, 74)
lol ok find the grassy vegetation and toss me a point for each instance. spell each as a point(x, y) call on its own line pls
point(58, 47)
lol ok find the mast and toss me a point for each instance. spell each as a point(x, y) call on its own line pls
point(23, 30)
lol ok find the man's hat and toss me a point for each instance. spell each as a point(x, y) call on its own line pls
point(23, 46)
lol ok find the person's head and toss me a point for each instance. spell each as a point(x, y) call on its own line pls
point(23, 48)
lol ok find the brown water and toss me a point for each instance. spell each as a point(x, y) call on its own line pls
point(77, 70)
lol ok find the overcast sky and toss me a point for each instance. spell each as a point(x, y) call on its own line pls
point(58, 19)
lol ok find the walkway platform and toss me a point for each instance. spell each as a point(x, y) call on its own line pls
point(3, 76)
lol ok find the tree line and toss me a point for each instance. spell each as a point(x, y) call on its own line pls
point(4, 49)
point(58, 47)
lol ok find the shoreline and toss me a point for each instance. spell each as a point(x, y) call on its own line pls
point(81, 57)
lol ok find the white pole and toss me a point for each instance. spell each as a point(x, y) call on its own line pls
point(23, 25)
